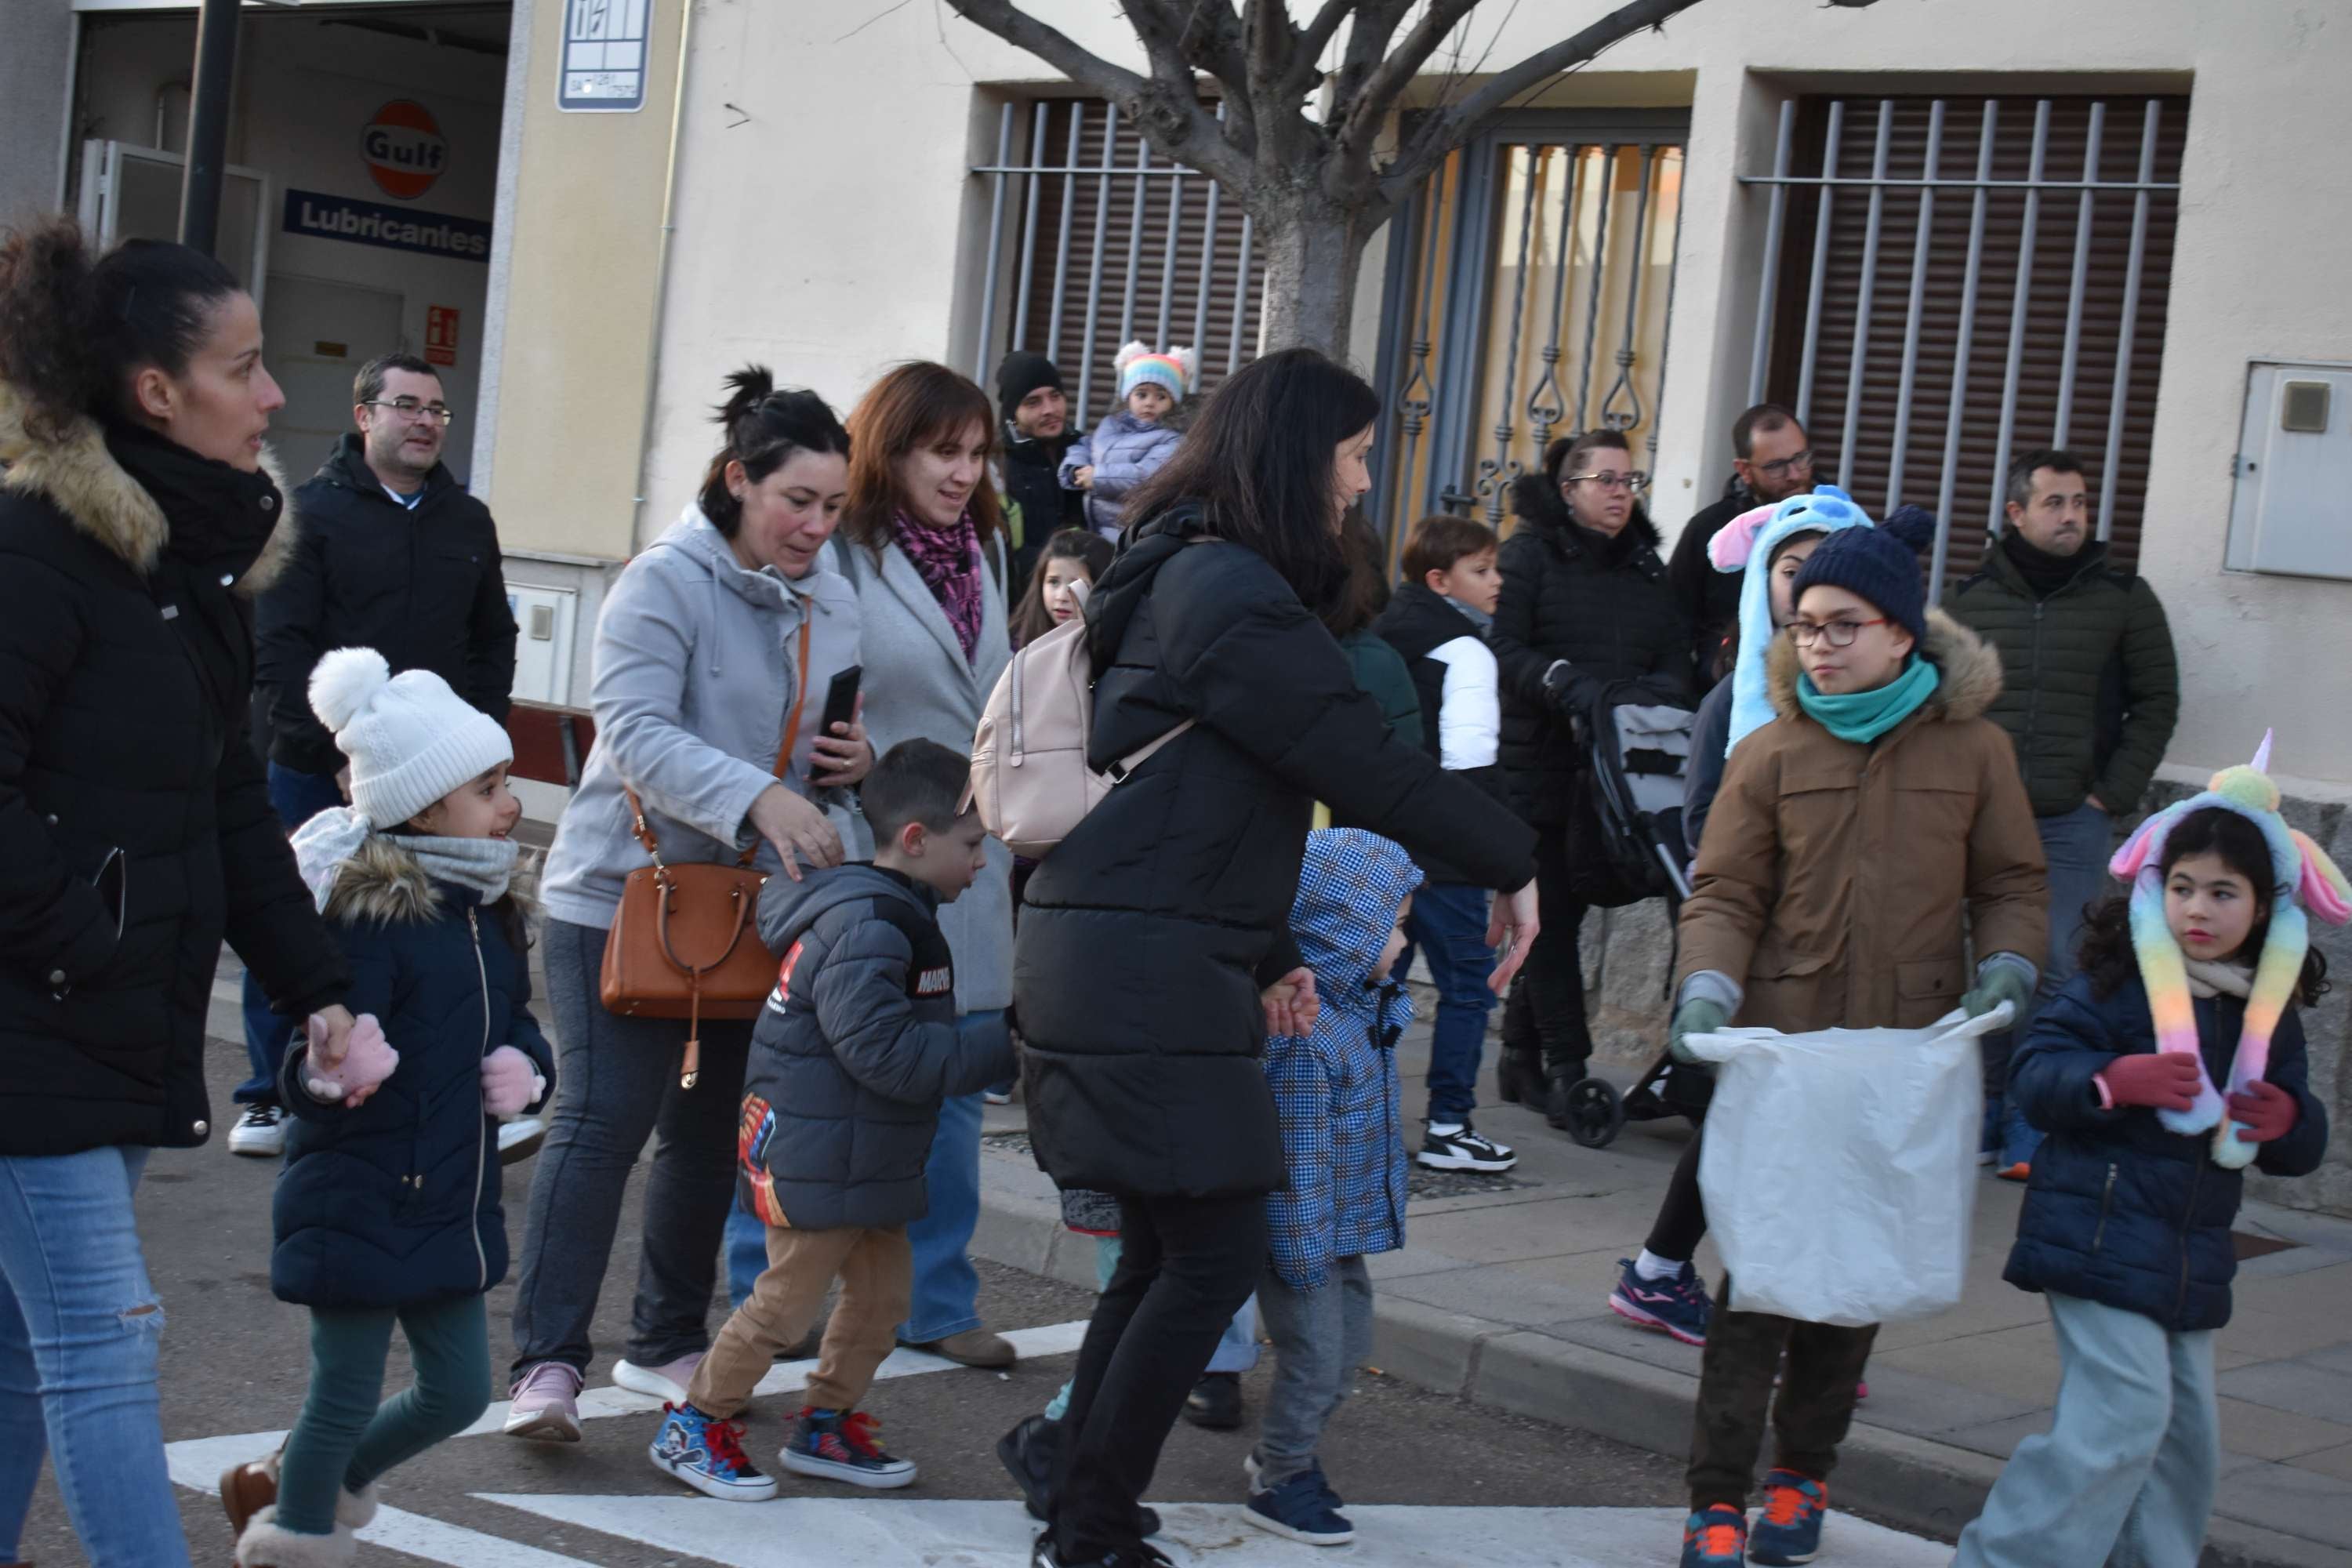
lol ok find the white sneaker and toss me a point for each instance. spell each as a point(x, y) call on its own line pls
point(519, 1140)
point(260, 1133)
point(1466, 1150)
point(667, 1383)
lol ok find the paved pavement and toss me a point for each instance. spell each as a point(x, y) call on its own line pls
point(1433, 1478)
point(1501, 1296)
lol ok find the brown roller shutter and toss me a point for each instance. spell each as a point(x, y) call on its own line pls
point(1864, 470)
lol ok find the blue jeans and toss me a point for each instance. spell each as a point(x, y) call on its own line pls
point(1448, 923)
point(299, 797)
point(946, 1288)
point(2128, 1470)
point(80, 1327)
point(2077, 844)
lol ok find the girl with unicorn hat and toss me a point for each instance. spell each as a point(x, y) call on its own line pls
point(2174, 1059)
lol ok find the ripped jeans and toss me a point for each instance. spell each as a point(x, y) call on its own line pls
point(79, 1328)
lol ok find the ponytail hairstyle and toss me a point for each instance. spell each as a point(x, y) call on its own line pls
point(74, 326)
point(765, 428)
point(1031, 618)
point(2105, 951)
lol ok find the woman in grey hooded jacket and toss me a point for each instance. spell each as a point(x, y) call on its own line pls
point(714, 636)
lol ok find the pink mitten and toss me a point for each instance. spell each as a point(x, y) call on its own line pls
point(368, 1060)
point(509, 1082)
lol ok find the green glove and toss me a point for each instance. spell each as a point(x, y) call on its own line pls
point(1996, 985)
point(1697, 1016)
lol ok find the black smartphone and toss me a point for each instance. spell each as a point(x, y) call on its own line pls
point(841, 699)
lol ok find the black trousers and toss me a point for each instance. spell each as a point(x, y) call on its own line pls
point(1545, 1014)
point(1185, 1266)
point(1682, 1214)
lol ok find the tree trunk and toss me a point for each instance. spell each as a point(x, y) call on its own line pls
point(1313, 253)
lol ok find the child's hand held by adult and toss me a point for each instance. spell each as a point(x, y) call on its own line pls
point(2161, 1080)
point(1511, 931)
point(346, 1066)
point(2264, 1111)
point(1291, 1004)
point(509, 1082)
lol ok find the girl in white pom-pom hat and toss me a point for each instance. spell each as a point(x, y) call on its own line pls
point(387, 1211)
point(1131, 445)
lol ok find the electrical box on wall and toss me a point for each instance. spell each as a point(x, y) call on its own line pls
point(2292, 511)
point(545, 621)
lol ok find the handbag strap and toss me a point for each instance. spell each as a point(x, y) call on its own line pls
point(642, 831)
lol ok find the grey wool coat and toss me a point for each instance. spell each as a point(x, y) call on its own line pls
point(918, 683)
point(854, 1051)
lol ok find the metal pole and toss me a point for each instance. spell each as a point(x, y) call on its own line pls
point(1776, 213)
point(1095, 268)
point(1062, 244)
point(1495, 475)
point(208, 109)
point(1624, 381)
point(1167, 264)
point(1029, 231)
point(1545, 400)
point(1922, 236)
point(1666, 332)
point(2123, 330)
point(1961, 356)
point(1821, 267)
point(1861, 296)
point(2017, 316)
point(1600, 271)
point(995, 246)
point(2074, 289)
point(1134, 242)
point(1208, 267)
point(1241, 295)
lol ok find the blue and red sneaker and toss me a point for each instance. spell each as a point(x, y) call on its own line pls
point(840, 1446)
point(1789, 1530)
point(1717, 1538)
point(1677, 1306)
point(707, 1454)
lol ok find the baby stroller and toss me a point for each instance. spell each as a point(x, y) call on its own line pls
point(1639, 752)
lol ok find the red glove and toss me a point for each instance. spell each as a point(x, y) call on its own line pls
point(2265, 1111)
point(2162, 1081)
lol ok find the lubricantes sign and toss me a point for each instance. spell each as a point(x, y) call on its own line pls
point(404, 147)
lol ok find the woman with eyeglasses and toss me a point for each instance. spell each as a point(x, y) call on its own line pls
point(1585, 606)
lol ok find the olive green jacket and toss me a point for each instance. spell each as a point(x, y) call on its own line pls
point(2091, 689)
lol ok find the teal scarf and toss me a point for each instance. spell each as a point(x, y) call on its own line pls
point(1861, 717)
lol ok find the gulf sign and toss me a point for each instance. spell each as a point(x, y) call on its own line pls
point(404, 147)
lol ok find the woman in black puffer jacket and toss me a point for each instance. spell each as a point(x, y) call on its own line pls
point(138, 517)
point(1585, 606)
point(1154, 933)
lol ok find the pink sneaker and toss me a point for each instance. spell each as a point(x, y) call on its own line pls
point(668, 1382)
point(546, 1403)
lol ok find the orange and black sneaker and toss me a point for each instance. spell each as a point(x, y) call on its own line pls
point(1716, 1538)
point(1789, 1530)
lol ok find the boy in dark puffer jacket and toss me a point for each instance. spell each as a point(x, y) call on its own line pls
point(855, 1049)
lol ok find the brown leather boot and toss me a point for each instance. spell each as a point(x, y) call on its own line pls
point(246, 1489)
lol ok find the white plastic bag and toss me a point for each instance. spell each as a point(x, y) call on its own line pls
point(1840, 1167)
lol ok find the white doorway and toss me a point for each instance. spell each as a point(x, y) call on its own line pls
point(315, 336)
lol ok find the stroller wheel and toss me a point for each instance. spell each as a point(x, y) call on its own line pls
point(1595, 1113)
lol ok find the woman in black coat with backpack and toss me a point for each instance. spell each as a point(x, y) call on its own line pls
point(1154, 952)
point(138, 518)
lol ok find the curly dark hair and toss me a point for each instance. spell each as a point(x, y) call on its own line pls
point(2104, 949)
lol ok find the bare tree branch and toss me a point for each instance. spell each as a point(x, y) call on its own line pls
point(1447, 129)
point(1376, 23)
point(1306, 51)
point(1394, 75)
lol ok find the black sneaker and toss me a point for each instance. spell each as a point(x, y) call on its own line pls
point(1028, 1453)
point(1215, 1402)
point(1140, 1555)
point(1465, 1150)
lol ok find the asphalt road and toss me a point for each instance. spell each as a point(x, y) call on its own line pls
point(235, 1362)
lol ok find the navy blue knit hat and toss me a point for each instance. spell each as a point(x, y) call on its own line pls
point(1876, 565)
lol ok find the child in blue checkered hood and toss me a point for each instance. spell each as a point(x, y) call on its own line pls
point(1337, 1092)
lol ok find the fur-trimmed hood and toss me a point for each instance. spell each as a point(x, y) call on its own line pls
point(81, 479)
point(383, 884)
point(1536, 500)
point(1969, 667)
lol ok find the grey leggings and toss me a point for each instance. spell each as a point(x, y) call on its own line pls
point(615, 1086)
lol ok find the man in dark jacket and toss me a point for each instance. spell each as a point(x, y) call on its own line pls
point(2090, 692)
point(394, 555)
point(1585, 606)
point(1036, 414)
point(1770, 461)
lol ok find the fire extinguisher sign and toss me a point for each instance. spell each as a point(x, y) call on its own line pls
point(441, 334)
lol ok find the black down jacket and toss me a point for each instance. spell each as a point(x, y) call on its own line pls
point(1601, 604)
point(1416, 624)
point(135, 827)
point(424, 588)
point(2118, 1210)
point(1148, 933)
point(854, 1051)
point(395, 1201)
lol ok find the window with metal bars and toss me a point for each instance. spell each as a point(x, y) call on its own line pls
point(1093, 241)
point(1950, 283)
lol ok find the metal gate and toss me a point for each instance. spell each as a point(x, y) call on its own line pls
point(1531, 288)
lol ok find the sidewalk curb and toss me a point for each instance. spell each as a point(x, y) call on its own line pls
point(1914, 1481)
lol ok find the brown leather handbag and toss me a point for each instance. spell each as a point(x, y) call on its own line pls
point(686, 943)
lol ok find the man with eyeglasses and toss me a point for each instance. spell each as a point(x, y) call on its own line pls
point(393, 555)
point(2090, 691)
point(1772, 461)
